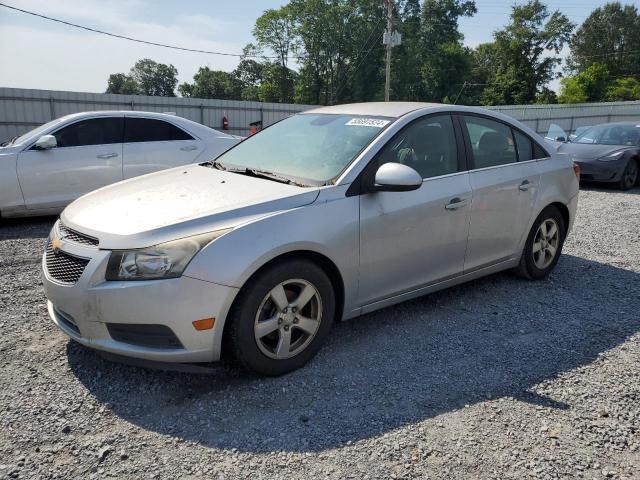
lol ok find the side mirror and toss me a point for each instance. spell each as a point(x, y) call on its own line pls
point(46, 142)
point(396, 177)
point(561, 139)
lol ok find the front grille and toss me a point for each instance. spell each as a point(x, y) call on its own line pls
point(76, 237)
point(63, 267)
point(143, 335)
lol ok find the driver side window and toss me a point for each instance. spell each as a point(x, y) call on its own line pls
point(427, 145)
point(93, 131)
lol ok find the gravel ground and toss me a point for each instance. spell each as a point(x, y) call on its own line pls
point(500, 378)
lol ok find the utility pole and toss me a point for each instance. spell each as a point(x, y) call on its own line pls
point(390, 39)
point(387, 81)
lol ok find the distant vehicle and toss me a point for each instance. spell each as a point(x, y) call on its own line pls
point(607, 153)
point(47, 168)
point(326, 215)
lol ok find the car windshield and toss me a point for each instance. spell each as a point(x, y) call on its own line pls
point(610, 134)
point(36, 131)
point(312, 147)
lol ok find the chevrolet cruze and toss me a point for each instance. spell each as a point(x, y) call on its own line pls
point(324, 216)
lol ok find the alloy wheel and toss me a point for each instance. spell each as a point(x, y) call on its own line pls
point(546, 243)
point(288, 318)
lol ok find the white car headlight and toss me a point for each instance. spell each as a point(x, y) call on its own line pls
point(167, 260)
point(612, 156)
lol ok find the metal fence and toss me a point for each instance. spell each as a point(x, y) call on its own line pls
point(24, 109)
point(571, 117)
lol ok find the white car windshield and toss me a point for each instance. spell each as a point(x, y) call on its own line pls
point(36, 131)
point(312, 147)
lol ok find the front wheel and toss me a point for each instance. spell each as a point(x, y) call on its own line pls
point(281, 318)
point(543, 246)
point(629, 175)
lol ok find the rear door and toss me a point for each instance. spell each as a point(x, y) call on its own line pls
point(88, 156)
point(151, 144)
point(505, 180)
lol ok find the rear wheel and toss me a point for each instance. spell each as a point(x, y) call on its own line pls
point(629, 175)
point(543, 246)
point(282, 318)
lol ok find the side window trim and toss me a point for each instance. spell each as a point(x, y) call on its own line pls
point(511, 128)
point(124, 130)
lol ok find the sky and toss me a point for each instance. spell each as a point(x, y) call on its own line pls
point(37, 53)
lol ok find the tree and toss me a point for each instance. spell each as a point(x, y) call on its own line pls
point(209, 83)
point(588, 86)
point(122, 83)
point(523, 66)
point(155, 78)
point(444, 60)
point(623, 89)
point(611, 36)
point(274, 30)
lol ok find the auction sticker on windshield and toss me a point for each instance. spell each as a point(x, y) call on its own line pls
point(368, 122)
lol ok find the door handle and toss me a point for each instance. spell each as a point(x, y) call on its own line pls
point(525, 185)
point(456, 203)
point(107, 155)
point(188, 148)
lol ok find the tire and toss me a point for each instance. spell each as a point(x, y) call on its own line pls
point(629, 175)
point(261, 309)
point(533, 266)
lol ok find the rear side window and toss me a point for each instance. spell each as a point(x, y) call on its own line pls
point(94, 131)
point(491, 142)
point(524, 146)
point(539, 152)
point(151, 130)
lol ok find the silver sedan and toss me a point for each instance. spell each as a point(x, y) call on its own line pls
point(324, 216)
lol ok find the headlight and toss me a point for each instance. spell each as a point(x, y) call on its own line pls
point(167, 260)
point(612, 156)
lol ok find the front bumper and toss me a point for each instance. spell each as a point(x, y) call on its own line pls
point(88, 309)
point(597, 171)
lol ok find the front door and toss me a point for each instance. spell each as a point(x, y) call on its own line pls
point(88, 156)
point(412, 239)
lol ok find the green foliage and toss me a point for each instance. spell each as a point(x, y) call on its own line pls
point(521, 57)
point(155, 78)
point(209, 83)
point(609, 36)
point(588, 86)
point(623, 89)
point(122, 83)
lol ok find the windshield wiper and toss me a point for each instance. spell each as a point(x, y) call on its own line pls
point(9, 142)
point(254, 172)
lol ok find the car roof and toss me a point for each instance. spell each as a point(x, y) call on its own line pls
point(383, 109)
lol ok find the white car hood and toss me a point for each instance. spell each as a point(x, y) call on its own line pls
point(177, 203)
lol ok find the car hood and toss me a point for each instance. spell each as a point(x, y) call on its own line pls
point(587, 152)
point(178, 203)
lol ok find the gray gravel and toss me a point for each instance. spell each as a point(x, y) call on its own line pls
point(499, 378)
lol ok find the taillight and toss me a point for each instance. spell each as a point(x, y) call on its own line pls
point(576, 170)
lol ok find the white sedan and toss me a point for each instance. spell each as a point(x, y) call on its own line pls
point(47, 168)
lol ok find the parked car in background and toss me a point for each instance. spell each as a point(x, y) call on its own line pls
point(326, 215)
point(607, 153)
point(45, 169)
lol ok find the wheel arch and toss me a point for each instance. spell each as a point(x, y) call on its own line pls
point(321, 260)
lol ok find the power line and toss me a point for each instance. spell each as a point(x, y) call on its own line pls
point(131, 39)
